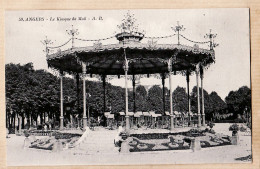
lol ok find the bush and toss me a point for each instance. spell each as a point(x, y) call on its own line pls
point(206, 130)
point(11, 131)
point(212, 131)
point(239, 120)
point(242, 129)
point(27, 126)
point(249, 125)
point(39, 127)
point(211, 124)
point(234, 127)
point(195, 133)
point(26, 133)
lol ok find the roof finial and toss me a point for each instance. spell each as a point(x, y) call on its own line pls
point(129, 30)
point(72, 32)
point(128, 23)
point(46, 42)
point(177, 29)
point(211, 37)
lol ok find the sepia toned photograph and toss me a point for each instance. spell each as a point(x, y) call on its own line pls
point(124, 87)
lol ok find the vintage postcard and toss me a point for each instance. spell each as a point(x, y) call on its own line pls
point(121, 87)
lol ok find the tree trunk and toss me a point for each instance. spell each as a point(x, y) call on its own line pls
point(41, 118)
point(14, 120)
point(31, 119)
point(22, 120)
point(20, 123)
point(44, 117)
point(6, 120)
point(36, 119)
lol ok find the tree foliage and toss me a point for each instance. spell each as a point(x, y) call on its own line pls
point(212, 103)
point(155, 102)
point(32, 93)
point(141, 99)
point(180, 100)
point(239, 102)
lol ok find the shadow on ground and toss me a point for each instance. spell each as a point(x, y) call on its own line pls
point(246, 158)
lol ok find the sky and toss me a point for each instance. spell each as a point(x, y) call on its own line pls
point(231, 70)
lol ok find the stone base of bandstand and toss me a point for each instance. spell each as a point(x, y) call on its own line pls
point(174, 130)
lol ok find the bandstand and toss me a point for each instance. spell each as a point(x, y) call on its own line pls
point(132, 58)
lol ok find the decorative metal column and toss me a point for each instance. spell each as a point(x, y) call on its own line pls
point(188, 92)
point(163, 85)
point(126, 97)
point(202, 95)
point(133, 81)
point(104, 91)
point(77, 83)
point(72, 32)
point(177, 29)
point(198, 95)
point(211, 38)
point(170, 86)
point(84, 95)
point(61, 101)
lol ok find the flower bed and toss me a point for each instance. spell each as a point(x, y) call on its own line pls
point(42, 144)
point(47, 143)
point(176, 146)
point(136, 146)
point(176, 141)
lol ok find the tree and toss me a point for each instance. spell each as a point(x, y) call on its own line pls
point(33, 93)
point(116, 98)
point(218, 106)
point(239, 102)
point(217, 103)
point(141, 99)
point(180, 100)
point(141, 91)
point(19, 98)
point(212, 103)
point(155, 102)
point(194, 101)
